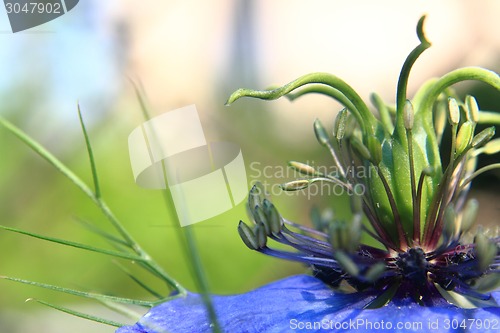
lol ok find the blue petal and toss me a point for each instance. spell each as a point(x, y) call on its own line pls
point(304, 303)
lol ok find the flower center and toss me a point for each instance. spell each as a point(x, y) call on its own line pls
point(413, 265)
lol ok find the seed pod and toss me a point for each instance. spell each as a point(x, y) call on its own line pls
point(440, 118)
point(321, 134)
point(340, 124)
point(464, 136)
point(472, 108)
point(492, 147)
point(485, 250)
point(247, 236)
point(469, 215)
point(408, 115)
point(260, 234)
point(346, 263)
point(375, 272)
point(454, 111)
point(261, 218)
point(335, 233)
point(303, 168)
point(254, 197)
point(354, 236)
point(273, 217)
point(295, 185)
point(483, 137)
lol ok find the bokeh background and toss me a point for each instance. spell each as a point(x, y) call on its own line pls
point(193, 52)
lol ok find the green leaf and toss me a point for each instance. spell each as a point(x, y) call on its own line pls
point(82, 293)
point(78, 314)
point(97, 188)
point(116, 254)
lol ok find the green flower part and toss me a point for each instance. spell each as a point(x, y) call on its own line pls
point(413, 193)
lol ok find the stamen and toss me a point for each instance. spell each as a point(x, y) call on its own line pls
point(408, 117)
point(454, 118)
point(324, 139)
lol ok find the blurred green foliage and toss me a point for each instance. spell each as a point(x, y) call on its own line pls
point(35, 197)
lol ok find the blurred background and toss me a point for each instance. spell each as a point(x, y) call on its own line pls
point(194, 52)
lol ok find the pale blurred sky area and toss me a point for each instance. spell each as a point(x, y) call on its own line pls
point(74, 57)
point(191, 51)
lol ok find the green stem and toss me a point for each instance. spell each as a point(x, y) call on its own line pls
point(408, 64)
point(489, 117)
point(97, 188)
point(478, 172)
point(458, 75)
point(361, 112)
point(385, 116)
point(324, 90)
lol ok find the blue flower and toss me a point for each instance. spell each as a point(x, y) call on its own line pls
point(427, 272)
point(304, 303)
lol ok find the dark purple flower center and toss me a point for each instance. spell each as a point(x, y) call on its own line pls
point(413, 265)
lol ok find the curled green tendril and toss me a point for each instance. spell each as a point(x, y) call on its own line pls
point(363, 115)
